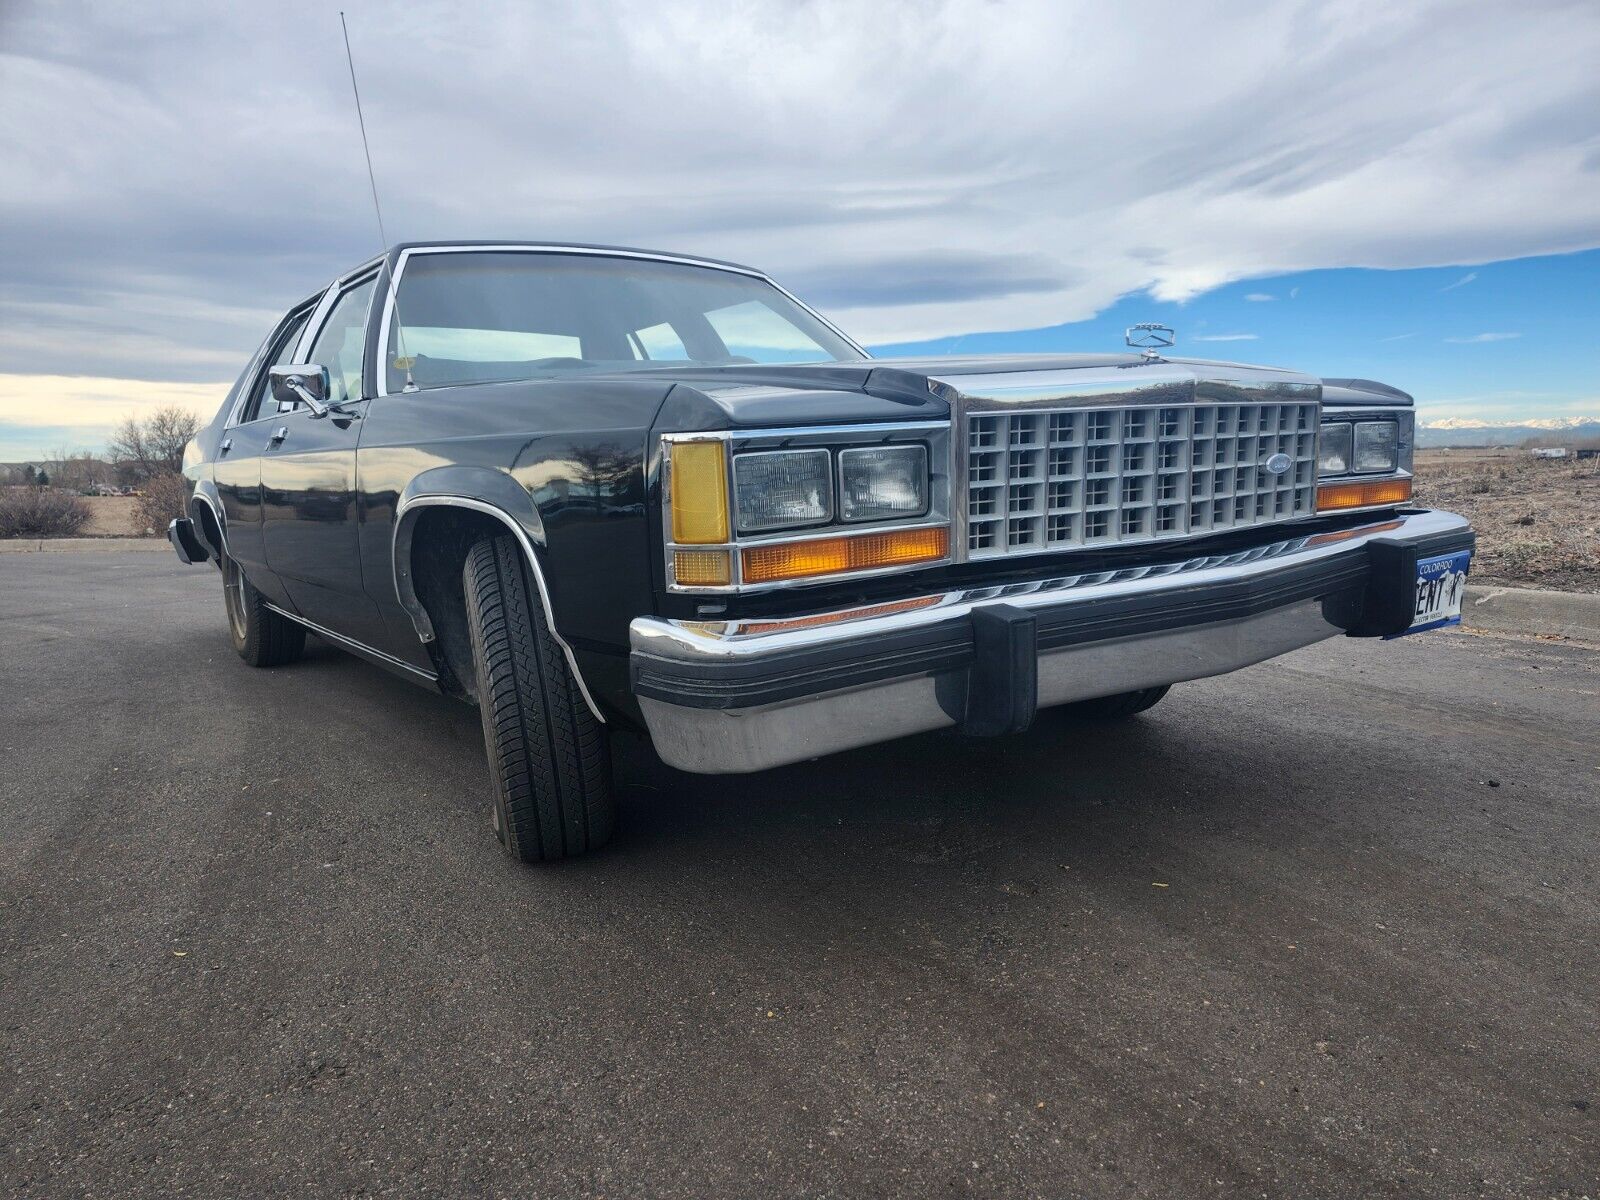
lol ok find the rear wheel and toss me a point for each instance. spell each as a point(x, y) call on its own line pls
point(261, 637)
point(1115, 708)
point(547, 752)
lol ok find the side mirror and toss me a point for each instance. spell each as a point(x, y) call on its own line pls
point(304, 384)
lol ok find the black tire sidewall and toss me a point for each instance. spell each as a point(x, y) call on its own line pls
point(547, 752)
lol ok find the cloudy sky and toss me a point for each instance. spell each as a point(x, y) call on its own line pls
point(1346, 186)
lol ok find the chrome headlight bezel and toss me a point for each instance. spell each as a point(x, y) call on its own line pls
point(1345, 427)
point(932, 438)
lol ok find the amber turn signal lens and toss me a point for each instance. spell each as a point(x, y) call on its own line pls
point(1362, 495)
point(701, 568)
point(829, 556)
point(699, 494)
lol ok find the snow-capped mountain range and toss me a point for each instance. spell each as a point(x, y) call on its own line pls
point(1474, 431)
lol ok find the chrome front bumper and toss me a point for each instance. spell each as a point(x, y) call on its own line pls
point(731, 696)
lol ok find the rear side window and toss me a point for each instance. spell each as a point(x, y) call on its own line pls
point(261, 403)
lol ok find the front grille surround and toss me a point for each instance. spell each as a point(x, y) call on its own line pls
point(1040, 479)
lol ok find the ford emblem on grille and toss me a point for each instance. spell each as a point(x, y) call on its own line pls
point(1278, 464)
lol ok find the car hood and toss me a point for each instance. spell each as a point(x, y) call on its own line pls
point(908, 389)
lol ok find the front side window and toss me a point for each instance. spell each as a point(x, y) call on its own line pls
point(262, 403)
point(341, 342)
point(478, 317)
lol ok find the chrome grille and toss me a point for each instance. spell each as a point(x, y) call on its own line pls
point(1058, 479)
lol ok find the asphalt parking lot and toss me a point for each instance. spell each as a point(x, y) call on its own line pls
point(1326, 927)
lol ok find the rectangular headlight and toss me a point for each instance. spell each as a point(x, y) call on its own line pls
point(1333, 448)
point(881, 483)
point(782, 489)
point(1377, 446)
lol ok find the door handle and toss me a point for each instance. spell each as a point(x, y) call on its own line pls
point(278, 434)
point(227, 444)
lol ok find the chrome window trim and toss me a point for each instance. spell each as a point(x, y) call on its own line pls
point(404, 257)
point(939, 514)
point(258, 364)
point(511, 523)
point(319, 316)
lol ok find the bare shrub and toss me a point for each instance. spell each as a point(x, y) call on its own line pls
point(35, 512)
point(163, 498)
point(155, 445)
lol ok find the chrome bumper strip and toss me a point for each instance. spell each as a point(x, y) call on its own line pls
point(746, 695)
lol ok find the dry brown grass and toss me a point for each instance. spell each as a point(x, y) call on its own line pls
point(1538, 521)
point(111, 516)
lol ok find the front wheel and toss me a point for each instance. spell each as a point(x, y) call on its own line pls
point(547, 752)
point(260, 636)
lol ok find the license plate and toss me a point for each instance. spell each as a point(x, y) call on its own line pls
point(1441, 582)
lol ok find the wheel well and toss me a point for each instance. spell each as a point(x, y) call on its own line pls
point(440, 540)
point(206, 521)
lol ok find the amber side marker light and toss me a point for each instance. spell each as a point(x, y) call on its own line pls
point(702, 568)
point(829, 556)
point(1335, 496)
point(699, 494)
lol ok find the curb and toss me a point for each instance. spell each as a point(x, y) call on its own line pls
point(97, 545)
point(1573, 615)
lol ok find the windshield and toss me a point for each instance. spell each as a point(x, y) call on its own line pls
point(477, 317)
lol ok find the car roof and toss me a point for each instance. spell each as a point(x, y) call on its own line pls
point(393, 253)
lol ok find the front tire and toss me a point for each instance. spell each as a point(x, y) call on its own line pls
point(547, 752)
point(260, 636)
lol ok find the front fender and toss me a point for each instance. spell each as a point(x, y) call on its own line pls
point(480, 489)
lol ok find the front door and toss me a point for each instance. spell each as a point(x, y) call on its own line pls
point(308, 482)
point(237, 470)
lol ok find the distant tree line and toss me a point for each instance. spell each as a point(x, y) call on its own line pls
point(139, 452)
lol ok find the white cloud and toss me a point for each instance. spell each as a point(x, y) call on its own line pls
point(80, 412)
point(1462, 282)
point(1055, 153)
point(1398, 337)
point(1260, 297)
point(1483, 337)
point(1228, 337)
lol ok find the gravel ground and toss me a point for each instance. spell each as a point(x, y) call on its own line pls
point(1326, 927)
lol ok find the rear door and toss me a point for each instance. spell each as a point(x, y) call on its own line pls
point(308, 477)
point(237, 470)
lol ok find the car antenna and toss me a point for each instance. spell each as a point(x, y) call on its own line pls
point(404, 360)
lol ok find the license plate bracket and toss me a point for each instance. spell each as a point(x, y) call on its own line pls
point(1441, 582)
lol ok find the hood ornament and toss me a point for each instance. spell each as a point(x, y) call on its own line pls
point(1149, 337)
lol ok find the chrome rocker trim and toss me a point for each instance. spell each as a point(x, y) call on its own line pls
point(359, 649)
point(734, 696)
